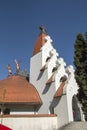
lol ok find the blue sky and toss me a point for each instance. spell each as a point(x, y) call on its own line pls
point(19, 23)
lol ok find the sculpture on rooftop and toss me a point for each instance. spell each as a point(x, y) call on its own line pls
point(17, 66)
point(9, 70)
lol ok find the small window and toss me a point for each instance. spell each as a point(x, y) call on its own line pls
point(48, 58)
point(54, 69)
point(6, 111)
point(63, 78)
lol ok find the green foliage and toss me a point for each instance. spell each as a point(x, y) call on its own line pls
point(80, 62)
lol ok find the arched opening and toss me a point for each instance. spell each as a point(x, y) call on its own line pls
point(76, 109)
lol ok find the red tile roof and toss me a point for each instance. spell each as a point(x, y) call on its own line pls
point(59, 91)
point(16, 89)
point(39, 43)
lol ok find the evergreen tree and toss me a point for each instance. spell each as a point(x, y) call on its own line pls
point(80, 62)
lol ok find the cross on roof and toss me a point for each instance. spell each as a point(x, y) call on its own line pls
point(43, 29)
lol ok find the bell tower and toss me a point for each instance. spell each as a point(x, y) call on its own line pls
point(42, 63)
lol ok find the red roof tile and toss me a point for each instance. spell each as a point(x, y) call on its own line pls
point(39, 43)
point(59, 91)
point(43, 68)
point(17, 89)
point(50, 80)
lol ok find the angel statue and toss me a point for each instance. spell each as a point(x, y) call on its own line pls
point(9, 70)
point(17, 66)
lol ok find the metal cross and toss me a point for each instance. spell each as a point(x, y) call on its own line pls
point(43, 29)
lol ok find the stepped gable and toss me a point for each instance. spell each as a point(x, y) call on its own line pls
point(40, 40)
point(17, 89)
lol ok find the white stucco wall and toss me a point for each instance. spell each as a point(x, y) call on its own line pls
point(62, 110)
point(31, 123)
point(35, 66)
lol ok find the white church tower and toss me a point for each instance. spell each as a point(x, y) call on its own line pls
point(41, 66)
point(53, 80)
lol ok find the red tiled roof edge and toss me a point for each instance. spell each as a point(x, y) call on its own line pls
point(43, 68)
point(50, 80)
point(29, 115)
point(59, 91)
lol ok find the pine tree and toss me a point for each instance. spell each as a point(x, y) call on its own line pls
point(80, 62)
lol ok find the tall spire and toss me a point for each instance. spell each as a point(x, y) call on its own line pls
point(40, 40)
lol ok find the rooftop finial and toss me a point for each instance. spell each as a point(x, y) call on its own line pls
point(43, 29)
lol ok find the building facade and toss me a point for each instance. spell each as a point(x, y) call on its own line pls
point(49, 91)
